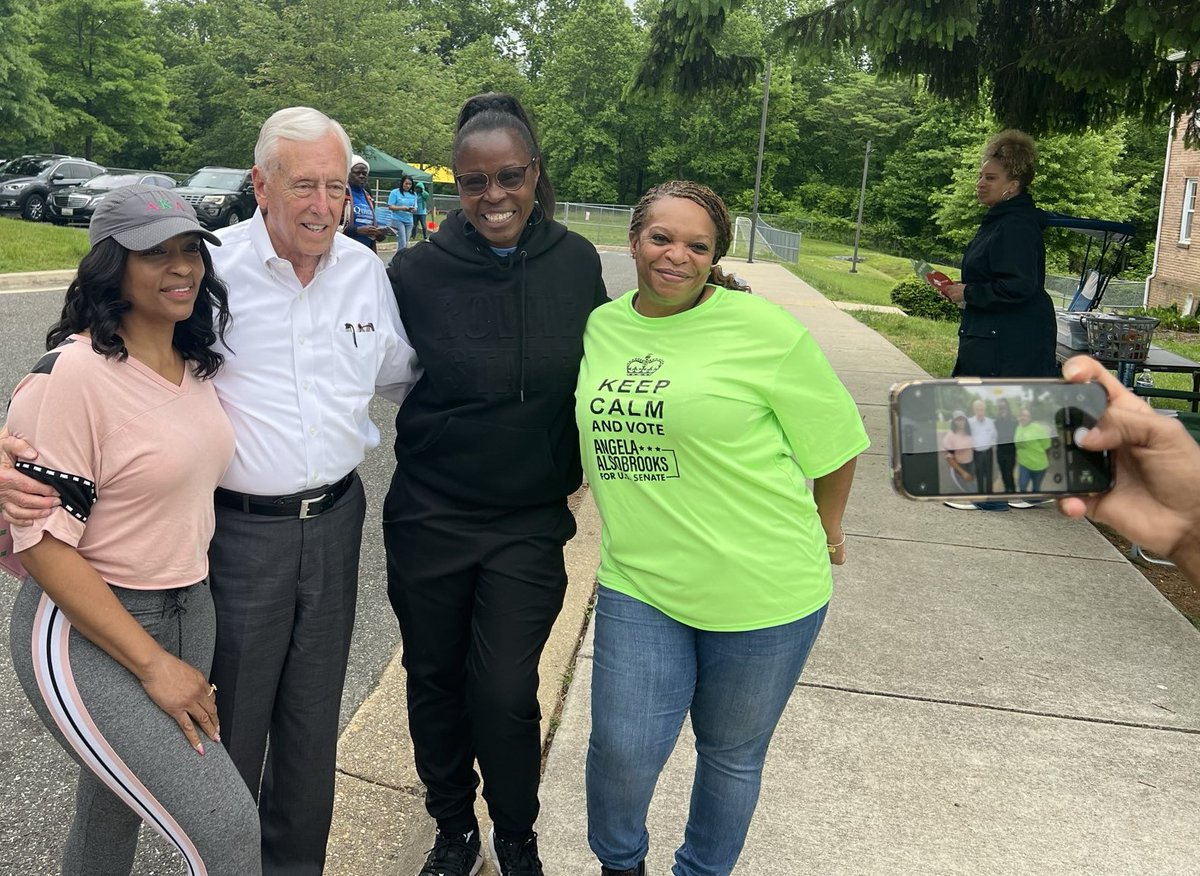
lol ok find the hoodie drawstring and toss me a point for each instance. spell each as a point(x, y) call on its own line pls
point(524, 256)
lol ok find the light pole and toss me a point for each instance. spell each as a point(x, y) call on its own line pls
point(762, 138)
point(862, 194)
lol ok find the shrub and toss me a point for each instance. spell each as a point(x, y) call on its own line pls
point(1169, 318)
point(917, 298)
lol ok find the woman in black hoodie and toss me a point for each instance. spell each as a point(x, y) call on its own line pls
point(1007, 325)
point(487, 454)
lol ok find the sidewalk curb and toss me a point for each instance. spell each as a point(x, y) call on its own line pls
point(34, 281)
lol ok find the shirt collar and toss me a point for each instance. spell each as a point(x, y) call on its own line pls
point(264, 250)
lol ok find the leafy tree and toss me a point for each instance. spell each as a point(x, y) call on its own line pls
point(466, 22)
point(1045, 64)
point(209, 70)
point(109, 85)
point(578, 99)
point(24, 109)
point(912, 178)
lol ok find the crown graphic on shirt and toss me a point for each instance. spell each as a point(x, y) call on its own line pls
point(643, 366)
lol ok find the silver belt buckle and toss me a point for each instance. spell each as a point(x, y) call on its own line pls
point(306, 503)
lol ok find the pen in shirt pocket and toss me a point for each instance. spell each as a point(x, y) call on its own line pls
point(353, 332)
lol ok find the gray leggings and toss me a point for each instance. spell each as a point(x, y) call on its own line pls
point(138, 765)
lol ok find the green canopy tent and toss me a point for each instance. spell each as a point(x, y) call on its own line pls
point(388, 167)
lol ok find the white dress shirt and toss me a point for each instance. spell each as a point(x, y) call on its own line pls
point(304, 361)
point(983, 433)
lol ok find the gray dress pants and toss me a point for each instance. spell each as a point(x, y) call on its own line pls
point(285, 592)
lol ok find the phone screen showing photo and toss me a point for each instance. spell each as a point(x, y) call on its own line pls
point(996, 438)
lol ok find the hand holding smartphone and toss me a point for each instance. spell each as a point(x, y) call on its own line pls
point(980, 440)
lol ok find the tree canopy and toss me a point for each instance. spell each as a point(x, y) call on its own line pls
point(177, 84)
point(1046, 65)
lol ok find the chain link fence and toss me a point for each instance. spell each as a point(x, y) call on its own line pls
point(1118, 294)
point(608, 225)
point(770, 243)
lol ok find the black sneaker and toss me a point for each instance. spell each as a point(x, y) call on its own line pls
point(516, 858)
point(454, 854)
point(639, 870)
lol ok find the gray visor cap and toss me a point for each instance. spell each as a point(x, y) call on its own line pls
point(140, 217)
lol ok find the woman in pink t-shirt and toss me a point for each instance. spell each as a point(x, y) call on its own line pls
point(959, 449)
point(112, 632)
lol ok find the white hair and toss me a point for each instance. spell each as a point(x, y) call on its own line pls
point(296, 123)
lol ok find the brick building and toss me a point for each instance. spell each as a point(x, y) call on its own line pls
point(1176, 275)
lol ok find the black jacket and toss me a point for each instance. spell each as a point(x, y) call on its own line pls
point(1007, 327)
point(492, 420)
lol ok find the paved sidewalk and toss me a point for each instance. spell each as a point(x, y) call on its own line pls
point(992, 693)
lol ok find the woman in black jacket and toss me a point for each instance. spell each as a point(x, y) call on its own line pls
point(487, 453)
point(1007, 325)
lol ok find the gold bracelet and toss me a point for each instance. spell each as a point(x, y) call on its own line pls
point(833, 547)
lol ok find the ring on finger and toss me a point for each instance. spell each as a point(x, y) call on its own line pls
point(212, 690)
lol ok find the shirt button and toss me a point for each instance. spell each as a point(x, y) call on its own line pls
point(301, 339)
point(312, 430)
point(306, 384)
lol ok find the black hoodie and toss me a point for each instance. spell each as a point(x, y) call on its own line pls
point(1007, 327)
point(492, 421)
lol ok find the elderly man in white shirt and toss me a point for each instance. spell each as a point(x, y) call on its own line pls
point(316, 332)
point(984, 437)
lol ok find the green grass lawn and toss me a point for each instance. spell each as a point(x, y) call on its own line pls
point(932, 345)
point(39, 246)
point(819, 265)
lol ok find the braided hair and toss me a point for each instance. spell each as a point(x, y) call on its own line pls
point(497, 111)
point(712, 204)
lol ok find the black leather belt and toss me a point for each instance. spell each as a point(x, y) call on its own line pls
point(302, 506)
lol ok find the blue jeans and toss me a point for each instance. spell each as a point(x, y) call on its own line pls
point(403, 231)
point(1030, 480)
point(649, 672)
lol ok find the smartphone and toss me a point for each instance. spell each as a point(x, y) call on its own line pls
point(978, 440)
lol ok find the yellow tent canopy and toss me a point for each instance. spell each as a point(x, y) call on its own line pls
point(440, 173)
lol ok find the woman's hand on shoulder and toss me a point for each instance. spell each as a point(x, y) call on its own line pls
point(182, 692)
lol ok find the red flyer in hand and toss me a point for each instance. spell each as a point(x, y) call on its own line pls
point(938, 281)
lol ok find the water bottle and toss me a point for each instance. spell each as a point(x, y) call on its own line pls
point(1145, 380)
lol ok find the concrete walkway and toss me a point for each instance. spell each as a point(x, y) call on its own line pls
point(992, 693)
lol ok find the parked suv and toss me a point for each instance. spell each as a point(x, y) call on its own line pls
point(77, 204)
point(221, 195)
point(29, 181)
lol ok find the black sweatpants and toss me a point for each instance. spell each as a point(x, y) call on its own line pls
point(1006, 459)
point(476, 591)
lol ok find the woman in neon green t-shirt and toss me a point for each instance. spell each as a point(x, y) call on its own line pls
point(702, 412)
point(1032, 441)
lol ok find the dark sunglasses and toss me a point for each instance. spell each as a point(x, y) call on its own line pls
point(508, 178)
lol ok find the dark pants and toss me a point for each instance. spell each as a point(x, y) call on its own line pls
point(1006, 459)
point(420, 228)
point(476, 592)
point(983, 470)
point(285, 591)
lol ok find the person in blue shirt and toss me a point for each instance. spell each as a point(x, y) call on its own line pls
point(403, 204)
point(358, 216)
